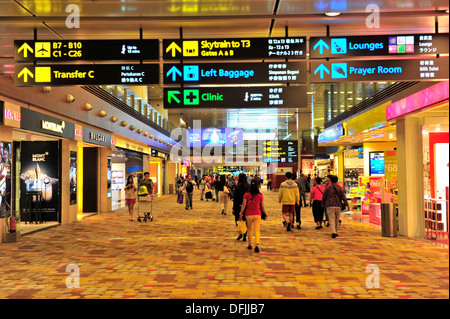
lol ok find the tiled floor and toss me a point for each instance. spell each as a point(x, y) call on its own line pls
point(194, 254)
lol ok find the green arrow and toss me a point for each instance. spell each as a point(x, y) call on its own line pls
point(174, 47)
point(172, 95)
point(25, 72)
point(25, 48)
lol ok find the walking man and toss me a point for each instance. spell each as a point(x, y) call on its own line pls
point(188, 189)
point(288, 196)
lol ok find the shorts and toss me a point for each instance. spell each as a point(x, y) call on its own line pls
point(288, 209)
point(130, 201)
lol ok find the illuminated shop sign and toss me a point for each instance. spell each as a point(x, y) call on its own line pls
point(236, 97)
point(37, 122)
point(380, 70)
point(378, 45)
point(230, 73)
point(87, 50)
point(77, 74)
point(96, 137)
point(235, 49)
point(54, 127)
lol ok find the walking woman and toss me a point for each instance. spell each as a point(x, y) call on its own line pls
point(224, 192)
point(333, 200)
point(130, 195)
point(238, 199)
point(316, 201)
point(252, 205)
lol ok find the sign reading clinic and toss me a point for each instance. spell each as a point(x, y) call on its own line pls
point(235, 73)
point(425, 69)
point(379, 45)
point(235, 49)
point(235, 97)
point(84, 74)
point(85, 50)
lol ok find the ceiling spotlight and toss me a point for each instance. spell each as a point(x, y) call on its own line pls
point(87, 107)
point(113, 119)
point(70, 98)
point(102, 113)
point(47, 89)
point(123, 123)
point(332, 14)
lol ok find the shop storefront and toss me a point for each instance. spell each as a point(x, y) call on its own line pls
point(127, 159)
point(422, 123)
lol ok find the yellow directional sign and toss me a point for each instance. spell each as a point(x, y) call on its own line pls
point(25, 48)
point(174, 48)
point(25, 73)
point(42, 49)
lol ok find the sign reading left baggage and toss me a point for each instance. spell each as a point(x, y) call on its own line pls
point(85, 50)
point(99, 74)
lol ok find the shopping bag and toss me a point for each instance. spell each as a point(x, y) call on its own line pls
point(180, 199)
point(241, 227)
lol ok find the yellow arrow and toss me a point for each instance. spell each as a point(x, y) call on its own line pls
point(25, 72)
point(25, 47)
point(174, 47)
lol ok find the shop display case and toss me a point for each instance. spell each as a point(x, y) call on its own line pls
point(436, 219)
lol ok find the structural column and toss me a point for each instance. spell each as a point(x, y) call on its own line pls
point(410, 178)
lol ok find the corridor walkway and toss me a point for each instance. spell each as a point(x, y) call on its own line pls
point(194, 254)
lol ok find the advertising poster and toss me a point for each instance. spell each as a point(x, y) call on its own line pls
point(73, 178)
point(39, 173)
point(5, 179)
point(376, 163)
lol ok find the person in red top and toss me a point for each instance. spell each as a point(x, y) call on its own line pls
point(316, 201)
point(252, 206)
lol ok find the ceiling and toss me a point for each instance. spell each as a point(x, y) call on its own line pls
point(158, 19)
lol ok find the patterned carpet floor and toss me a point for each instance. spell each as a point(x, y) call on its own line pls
point(194, 254)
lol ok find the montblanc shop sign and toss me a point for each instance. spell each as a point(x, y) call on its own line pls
point(46, 124)
point(96, 137)
point(50, 126)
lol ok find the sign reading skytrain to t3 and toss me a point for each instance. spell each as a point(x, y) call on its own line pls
point(235, 49)
point(235, 97)
point(380, 70)
point(235, 73)
point(85, 50)
point(378, 45)
point(84, 74)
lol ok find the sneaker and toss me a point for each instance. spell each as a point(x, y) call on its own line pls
point(333, 235)
point(239, 237)
point(256, 249)
point(298, 226)
point(289, 227)
point(284, 223)
point(249, 247)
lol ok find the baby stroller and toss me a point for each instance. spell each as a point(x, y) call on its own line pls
point(144, 205)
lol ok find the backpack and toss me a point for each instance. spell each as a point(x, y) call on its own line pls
point(189, 187)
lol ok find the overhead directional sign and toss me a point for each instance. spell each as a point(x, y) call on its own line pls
point(77, 74)
point(426, 69)
point(235, 73)
point(85, 50)
point(235, 49)
point(378, 45)
point(235, 97)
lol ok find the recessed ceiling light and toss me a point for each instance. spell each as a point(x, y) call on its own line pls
point(332, 14)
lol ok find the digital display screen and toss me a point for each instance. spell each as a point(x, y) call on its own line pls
point(376, 163)
point(215, 137)
point(5, 179)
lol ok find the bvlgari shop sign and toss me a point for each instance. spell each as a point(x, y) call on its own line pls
point(37, 122)
point(96, 137)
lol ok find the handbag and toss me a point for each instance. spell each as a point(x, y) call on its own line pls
point(241, 227)
point(343, 206)
point(180, 199)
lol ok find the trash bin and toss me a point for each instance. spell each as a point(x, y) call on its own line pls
point(388, 220)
